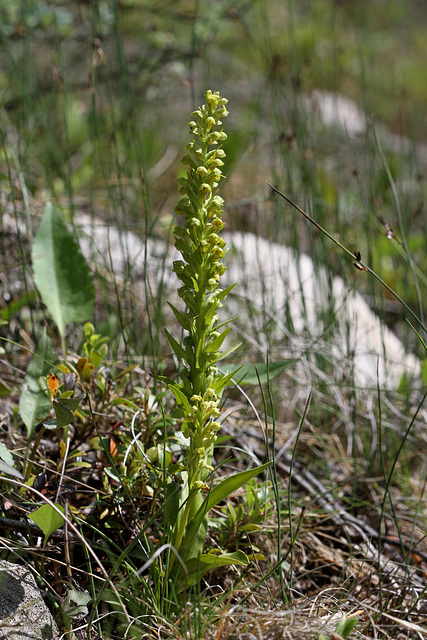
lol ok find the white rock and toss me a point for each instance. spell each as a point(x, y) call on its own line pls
point(336, 110)
point(277, 286)
point(279, 282)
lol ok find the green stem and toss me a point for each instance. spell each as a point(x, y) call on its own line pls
point(30, 462)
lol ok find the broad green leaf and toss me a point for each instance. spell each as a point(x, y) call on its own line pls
point(60, 271)
point(75, 603)
point(10, 471)
point(65, 409)
point(47, 519)
point(345, 626)
point(7, 464)
point(5, 454)
point(197, 567)
point(34, 405)
point(214, 497)
point(248, 372)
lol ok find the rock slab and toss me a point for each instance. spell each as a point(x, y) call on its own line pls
point(23, 613)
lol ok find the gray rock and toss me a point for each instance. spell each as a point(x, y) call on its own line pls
point(23, 613)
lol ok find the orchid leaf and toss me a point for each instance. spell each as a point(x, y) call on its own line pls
point(61, 273)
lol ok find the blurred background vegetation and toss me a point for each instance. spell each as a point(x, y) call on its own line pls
point(95, 97)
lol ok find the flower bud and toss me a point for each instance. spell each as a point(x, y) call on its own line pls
point(202, 172)
point(179, 266)
point(188, 160)
point(213, 137)
point(212, 99)
point(180, 231)
point(216, 162)
point(210, 122)
point(211, 284)
point(205, 190)
point(217, 224)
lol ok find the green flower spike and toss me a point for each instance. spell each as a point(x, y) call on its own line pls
point(202, 251)
point(199, 393)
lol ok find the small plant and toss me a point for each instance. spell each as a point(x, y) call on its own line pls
point(198, 395)
point(343, 629)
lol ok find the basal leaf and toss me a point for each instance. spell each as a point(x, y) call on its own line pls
point(346, 625)
point(61, 273)
point(197, 567)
